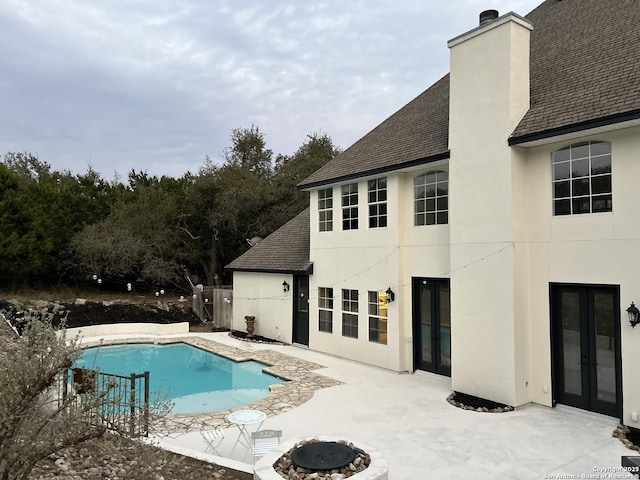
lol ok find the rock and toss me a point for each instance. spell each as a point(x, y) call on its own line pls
point(81, 301)
point(337, 476)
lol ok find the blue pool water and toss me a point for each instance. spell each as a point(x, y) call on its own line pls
point(194, 379)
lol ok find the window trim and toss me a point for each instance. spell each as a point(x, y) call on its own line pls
point(379, 204)
point(349, 204)
point(377, 311)
point(566, 178)
point(350, 310)
point(439, 215)
point(325, 304)
point(325, 210)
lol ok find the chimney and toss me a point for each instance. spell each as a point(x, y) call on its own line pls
point(488, 16)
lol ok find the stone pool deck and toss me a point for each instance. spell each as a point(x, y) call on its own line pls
point(407, 418)
point(301, 383)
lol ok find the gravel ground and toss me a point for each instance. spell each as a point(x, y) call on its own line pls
point(115, 458)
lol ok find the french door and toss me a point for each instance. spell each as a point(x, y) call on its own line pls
point(431, 325)
point(301, 309)
point(586, 347)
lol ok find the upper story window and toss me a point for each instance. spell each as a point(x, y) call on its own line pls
point(378, 203)
point(582, 178)
point(350, 206)
point(325, 210)
point(431, 198)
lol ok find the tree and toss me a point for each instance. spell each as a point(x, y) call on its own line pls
point(290, 170)
point(248, 151)
point(227, 204)
point(40, 210)
point(34, 421)
point(142, 240)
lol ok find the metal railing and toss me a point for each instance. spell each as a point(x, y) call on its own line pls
point(122, 402)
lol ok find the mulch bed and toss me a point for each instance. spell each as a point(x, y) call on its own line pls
point(239, 335)
point(470, 402)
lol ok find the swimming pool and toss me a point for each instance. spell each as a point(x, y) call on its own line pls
point(196, 380)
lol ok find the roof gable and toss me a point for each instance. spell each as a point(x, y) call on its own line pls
point(584, 66)
point(416, 133)
point(284, 251)
point(585, 63)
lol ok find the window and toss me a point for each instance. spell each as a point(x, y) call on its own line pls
point(431, 195)
point(378, 317)
point(350, 313)
point(325, 210)
point(350, 206)
point(582, 178)
point(378, 203)
point(325, 309)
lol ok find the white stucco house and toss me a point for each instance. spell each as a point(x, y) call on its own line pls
point(499, 208)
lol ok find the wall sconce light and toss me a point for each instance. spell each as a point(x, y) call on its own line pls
point(285, 286)
point(633, 312)
point(390, 295)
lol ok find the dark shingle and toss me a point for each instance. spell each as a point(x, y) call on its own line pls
point(584, 66)
point(284, 251)
point(416, 132)
point(585, 63)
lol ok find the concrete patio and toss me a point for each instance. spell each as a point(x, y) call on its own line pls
point(407, 418)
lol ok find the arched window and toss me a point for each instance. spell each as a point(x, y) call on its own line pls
point(431, 198)
point(582, 178)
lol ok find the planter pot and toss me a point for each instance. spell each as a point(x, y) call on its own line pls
point(251, 327)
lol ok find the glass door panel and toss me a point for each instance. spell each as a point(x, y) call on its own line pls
point(445, 325)
point(571, 342)
point(425, 322)
point(605, 347)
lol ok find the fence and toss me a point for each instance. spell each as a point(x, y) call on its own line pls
point(214, 304)
point(123, 403)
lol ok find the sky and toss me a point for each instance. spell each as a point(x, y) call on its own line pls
point(159, 85)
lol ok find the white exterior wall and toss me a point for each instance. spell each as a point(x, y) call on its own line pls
point(366, 260)
point(261, 295)
point(489, 87)
point(424, 253)
point(502, 248)
point(600, 248)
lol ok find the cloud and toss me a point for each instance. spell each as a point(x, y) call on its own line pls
point(157, 85)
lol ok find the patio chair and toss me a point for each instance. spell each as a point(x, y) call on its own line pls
point(213, 439)
point(263, 441)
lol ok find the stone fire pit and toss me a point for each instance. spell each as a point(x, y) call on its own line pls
point(377, 468)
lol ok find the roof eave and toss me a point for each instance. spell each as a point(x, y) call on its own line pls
point(576, 127)
point(307, 271)
point(376, 171)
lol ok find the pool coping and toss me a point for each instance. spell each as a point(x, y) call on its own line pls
point(302, 382)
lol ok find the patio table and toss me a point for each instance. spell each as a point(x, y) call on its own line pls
point(243, 419)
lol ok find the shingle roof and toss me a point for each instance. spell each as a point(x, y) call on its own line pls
point(284, 251)
point(417, 132)
point(584, 66)
point(585, 63)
